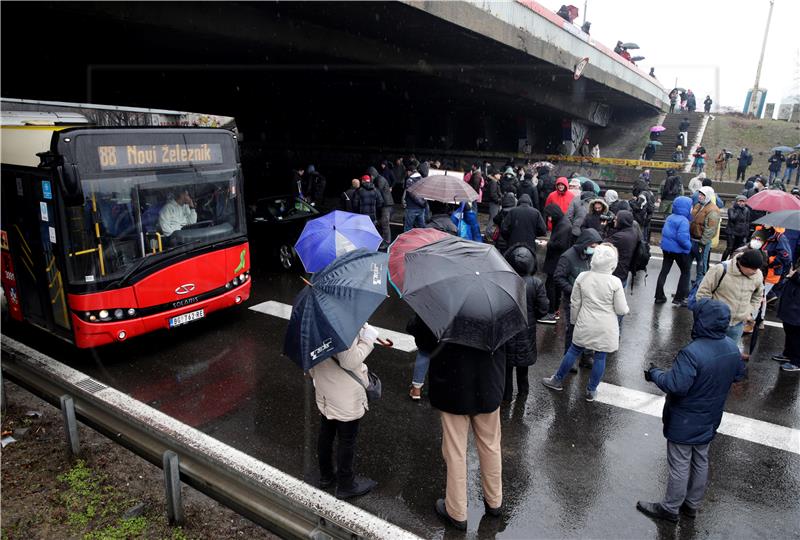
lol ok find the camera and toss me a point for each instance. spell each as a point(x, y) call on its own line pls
point(606, 217)
point(728, 155)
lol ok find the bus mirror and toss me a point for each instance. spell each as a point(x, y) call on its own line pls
point(68, 178)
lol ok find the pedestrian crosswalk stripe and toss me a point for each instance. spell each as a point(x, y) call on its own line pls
point(402, 342)
point(741, 427)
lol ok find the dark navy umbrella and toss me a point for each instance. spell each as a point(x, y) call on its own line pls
point(465, 292)
point(327, 316)
point(329, 236)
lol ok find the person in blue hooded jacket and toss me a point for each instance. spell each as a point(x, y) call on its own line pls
point(676, 245)
point(697, 386)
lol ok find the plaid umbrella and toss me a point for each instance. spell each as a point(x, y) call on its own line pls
point(446, 189)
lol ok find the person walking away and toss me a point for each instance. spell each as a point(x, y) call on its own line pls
point(348, 196)
point(415, 206)
point(789, 314)
point(426, 343)
point(559, 241)
point(570, 265)
point(520, 350)
point(494, 197)
point(466, 387)
point(508, 182)
point(316, 186)
point(508, 204)
point(744, 161)
point(775, 162)
point(578, 207)
point(648, 152)
point(615, 204)
point(368, 199)
point(697, 386)
point(738, 227)
point(546, 185)
point(705, 219)
point(597, 299)
point(527, 187)
point(676, 245)
point(683, 129)
point(738, 284)
point(385, 211)
point(642, 207)
point(523, 224)
point(594, 218)
point(707, 104)
point(792, 163)
point(561, 196)
point(699, 164)
point(342, 402)
point(625, 237)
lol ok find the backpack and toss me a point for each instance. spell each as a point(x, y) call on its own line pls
point(692, 298)
point(641, 258)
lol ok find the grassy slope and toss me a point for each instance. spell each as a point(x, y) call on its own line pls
point(733, 133)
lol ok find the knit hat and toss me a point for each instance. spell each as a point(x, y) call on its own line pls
point(740, 198)
point(751, 258)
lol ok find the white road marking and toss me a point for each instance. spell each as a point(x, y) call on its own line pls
point(741, 427)
point(402, 342)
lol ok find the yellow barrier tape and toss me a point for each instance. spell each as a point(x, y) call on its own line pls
point(616, 161)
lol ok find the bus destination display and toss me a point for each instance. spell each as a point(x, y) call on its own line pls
point(143, 156)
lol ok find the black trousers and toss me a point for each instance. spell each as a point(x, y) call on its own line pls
point(684, 262)
point(553, 293)
point(791, 347)
point(522, 381)
point(740, 171)
point(345, 451)
point(734, 242)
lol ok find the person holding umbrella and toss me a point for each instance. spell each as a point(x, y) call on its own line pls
point(597, 299)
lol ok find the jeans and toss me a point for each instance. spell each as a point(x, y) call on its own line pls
point(688, 475)
point(773, 175)
point(383, 221)
point(735, 332)
point(414, 219)
point(522, 381)
point(684, 262)
point(787, 174)
point(420, 368)
point(701, 259)
point(345, 451)
point(598, 368)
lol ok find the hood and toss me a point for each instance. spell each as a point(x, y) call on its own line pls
point(367, 185)
point(711, 319)
point(554, 212)
point(588, 236)
point(311, 169)
point(702, 176)
point(708, 191)
point(611, 196)
point(624, 219)
point(510, 201)
point(521, 259)
point(575, 185)
point(525, 200)
point(682, 206)
point(563, 182)
point(587, 196)
point(638, 187)
point(372, 172)
point(604, 259)
point(601, 201)
point(510, 171)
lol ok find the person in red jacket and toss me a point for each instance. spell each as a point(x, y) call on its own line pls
point(562, 196)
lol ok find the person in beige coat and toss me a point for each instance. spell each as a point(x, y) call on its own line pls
point(342, 401)
point(598, 298)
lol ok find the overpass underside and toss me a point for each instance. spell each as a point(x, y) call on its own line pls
point(395, 75)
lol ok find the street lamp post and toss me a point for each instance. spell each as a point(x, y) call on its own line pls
point(754, 94)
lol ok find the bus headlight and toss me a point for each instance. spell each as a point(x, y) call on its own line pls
point(118, 313)
point(103, 314)
point(131, 312)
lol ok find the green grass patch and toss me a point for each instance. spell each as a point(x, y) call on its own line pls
point(734, 132)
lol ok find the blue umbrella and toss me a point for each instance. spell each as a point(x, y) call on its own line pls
point(329, 236)
point(327, 315)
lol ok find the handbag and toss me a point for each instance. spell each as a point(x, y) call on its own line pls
point(373, 389)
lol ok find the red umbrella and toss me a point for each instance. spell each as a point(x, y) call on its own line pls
point(773, 200)
point(408, 241)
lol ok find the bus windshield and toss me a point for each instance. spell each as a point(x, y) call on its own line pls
point(126, 220)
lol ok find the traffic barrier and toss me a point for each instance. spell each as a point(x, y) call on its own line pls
point(616, 161)
point(268, 496)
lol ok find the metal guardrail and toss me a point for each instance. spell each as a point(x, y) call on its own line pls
point(271, 498)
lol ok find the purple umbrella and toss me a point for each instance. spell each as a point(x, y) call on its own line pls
point(657, 129)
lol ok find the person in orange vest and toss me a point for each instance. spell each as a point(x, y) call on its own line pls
point(776, 251)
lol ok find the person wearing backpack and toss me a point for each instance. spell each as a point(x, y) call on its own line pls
point(738, 283)
point(676, 244)
point(508, 183)
point(671, 187)
point(642, 206)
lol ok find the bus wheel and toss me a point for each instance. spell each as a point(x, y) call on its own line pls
point(286, 254)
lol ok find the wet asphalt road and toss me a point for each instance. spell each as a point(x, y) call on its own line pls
point(571, 468)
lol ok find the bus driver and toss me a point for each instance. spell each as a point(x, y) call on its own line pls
point(177, 213)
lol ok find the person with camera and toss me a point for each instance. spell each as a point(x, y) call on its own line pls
point(775, 163)
point(598, 217)
point(697, 386)
point(721, 163)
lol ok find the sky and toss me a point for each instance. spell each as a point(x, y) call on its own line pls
point(693, 40)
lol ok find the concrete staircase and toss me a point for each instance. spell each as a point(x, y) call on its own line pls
point(669, 137)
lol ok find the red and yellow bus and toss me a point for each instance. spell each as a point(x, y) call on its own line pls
point(110, 233)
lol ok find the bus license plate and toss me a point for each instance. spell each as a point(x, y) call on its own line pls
point(186, 318)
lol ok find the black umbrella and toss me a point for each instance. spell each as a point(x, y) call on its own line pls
point(630, 45)
point(327, 315)
point(465, 292)
point(787, 219)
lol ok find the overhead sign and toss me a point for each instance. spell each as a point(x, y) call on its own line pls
point(580, 66)
point(135, 156)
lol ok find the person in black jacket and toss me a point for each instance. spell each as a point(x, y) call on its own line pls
point(625, 238)
point(368, 199)
point(494, 197)
point(598, 208)
point(738, 227)
point(508, 183)
point(526, 187)
point(546, 185)
point(316, 186)
point(466, 386)
point(508, 204)
point(745, 160)
point(348, 196)
point(521, 349)
point(789, 314)
point(385, 210)
point(523, 224)
point(671, 188)
point(572, 262)
point(559, 241)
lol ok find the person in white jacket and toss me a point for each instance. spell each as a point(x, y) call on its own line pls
point(598, 298)
point(177, 213)
point(342, 401)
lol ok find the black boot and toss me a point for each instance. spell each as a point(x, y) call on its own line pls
point(360, 486)
point(441, 511)
point(655, 510)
